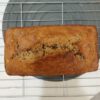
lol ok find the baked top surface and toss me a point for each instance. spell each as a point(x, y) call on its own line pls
point(51, 50)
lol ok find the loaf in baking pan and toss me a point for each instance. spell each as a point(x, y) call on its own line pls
point(51, 50)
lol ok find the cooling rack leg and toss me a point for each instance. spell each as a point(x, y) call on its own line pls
point(23, 82)
point(62, 12)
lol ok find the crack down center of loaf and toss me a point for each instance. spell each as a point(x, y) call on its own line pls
point(49, 47)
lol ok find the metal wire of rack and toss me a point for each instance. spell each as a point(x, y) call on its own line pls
point(82, 87)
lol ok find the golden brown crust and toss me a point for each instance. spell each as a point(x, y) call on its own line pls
point(59, 64)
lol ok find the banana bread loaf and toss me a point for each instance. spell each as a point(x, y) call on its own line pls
point(51, 50)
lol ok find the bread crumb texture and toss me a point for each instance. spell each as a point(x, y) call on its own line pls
point(51, 46)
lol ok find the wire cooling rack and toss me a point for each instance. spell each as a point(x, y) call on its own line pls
point(21, 13)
